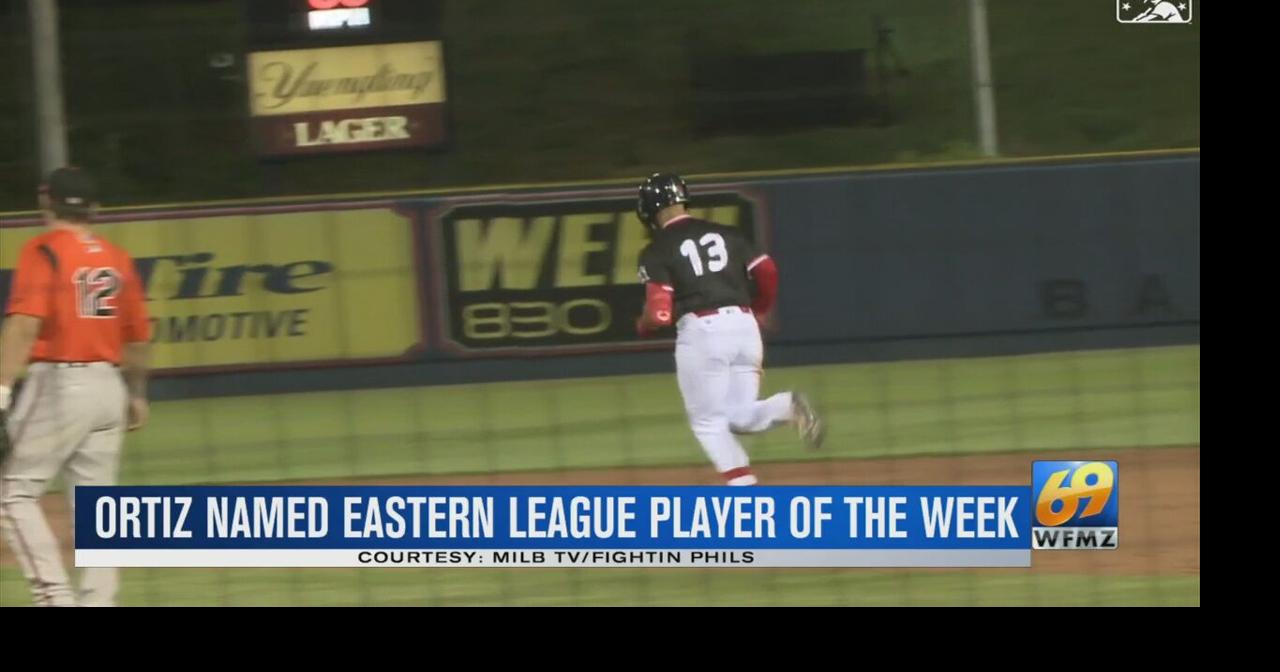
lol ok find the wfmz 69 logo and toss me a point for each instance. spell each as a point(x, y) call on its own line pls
point(1077, 505)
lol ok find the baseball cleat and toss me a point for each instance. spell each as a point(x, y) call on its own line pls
point(812, 429)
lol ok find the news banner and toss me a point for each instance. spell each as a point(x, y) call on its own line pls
point(596, 526)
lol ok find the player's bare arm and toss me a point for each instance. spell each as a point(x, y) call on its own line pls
point(136, 366)
point(135, 355)
point(17, 337)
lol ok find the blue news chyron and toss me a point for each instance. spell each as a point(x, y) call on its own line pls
point(941, 518)
point(1075, 505)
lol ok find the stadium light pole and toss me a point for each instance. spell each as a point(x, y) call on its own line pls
point(50, 119)
point(983, 86)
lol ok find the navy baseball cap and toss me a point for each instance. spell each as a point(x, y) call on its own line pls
point(71, 188)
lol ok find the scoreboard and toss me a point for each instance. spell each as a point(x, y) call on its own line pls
point(329, 76)
point(277, 24)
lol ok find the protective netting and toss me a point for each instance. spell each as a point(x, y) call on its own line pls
point(1097, 364)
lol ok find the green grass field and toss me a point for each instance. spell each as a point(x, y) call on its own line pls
point(1097, 399)
point(999, 404)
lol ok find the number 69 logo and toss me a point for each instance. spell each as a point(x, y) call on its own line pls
point(1083, 494)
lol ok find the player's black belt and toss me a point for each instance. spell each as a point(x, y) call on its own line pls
point(717, 311)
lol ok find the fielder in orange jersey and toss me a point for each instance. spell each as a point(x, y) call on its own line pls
point(77, 322)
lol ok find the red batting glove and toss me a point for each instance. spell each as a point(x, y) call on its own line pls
point(646, 327)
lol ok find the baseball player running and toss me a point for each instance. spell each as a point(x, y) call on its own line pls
point(700, 275)
point(75, 314)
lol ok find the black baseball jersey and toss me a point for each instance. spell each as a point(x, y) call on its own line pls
point(705, 264)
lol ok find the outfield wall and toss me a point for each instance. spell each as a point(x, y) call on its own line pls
point(439, 289)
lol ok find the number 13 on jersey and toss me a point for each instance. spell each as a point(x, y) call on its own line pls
point(716, 252)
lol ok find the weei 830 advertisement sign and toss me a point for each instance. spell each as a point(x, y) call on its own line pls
point(373, 96)
point(558, 275)
point(267, 289)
